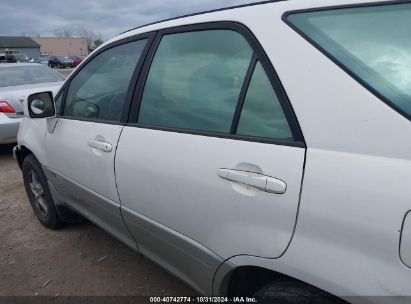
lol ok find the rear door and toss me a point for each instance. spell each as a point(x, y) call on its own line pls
point(211, 162)
point(82, 146)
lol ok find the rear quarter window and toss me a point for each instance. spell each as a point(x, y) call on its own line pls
point(372, 43)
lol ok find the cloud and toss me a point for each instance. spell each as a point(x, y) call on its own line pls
point(106, 17)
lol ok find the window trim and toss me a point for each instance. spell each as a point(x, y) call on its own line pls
point(258, 54)
point(60, 92)
point(133, 80)
point(243, 94)
point(345, 68)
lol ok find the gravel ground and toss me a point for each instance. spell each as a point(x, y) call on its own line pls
point(78, 260)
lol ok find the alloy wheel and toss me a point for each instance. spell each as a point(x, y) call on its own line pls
point(37, 190)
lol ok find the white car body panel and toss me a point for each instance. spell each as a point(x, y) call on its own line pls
point(174, 182)
point(184, 167)
point(93, 193)
point(68, 153)
point(355, 185)
point(347, 235)
point(405, 249)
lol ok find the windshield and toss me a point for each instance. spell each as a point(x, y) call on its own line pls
point(21, 75)
point(373, 43)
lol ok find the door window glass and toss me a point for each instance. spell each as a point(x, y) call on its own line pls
point(195, 80)
point(99, 90)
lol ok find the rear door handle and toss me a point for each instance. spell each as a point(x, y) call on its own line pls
point(262, 182)
point(100, 145)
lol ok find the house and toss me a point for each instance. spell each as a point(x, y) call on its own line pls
point(62, 46)
point(19, 45)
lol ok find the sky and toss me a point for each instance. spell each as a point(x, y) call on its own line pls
point(107, 17)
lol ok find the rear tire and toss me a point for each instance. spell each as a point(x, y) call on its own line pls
point(38, 193)
point(294, 292)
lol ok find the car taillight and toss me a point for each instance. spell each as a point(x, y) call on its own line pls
point(5, 107)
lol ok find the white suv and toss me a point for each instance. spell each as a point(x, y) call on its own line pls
point(258, 150)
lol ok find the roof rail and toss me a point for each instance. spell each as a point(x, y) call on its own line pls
point(204, 12)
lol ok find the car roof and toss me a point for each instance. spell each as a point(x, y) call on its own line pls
point(196, 17)
point(204, 12)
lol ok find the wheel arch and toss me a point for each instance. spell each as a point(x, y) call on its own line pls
point(245, 280)
point(21, 154)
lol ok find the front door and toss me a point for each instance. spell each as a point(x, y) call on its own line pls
point(82, 146)
point(211, 167)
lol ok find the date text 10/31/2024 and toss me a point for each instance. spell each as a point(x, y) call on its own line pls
point(203, 300)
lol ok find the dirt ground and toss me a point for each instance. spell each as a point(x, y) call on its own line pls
point(77, 260)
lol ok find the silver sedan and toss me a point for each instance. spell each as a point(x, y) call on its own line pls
point(16, 82)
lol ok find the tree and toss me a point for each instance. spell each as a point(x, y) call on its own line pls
point(64, 32)
point(98, 42)
point(93, 38)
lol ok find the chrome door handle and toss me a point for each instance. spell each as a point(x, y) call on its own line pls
point(275, 185)
point(243, 177)
point(100, 145)
point(262, 182)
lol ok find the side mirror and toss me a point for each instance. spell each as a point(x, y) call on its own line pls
point(41, 105)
